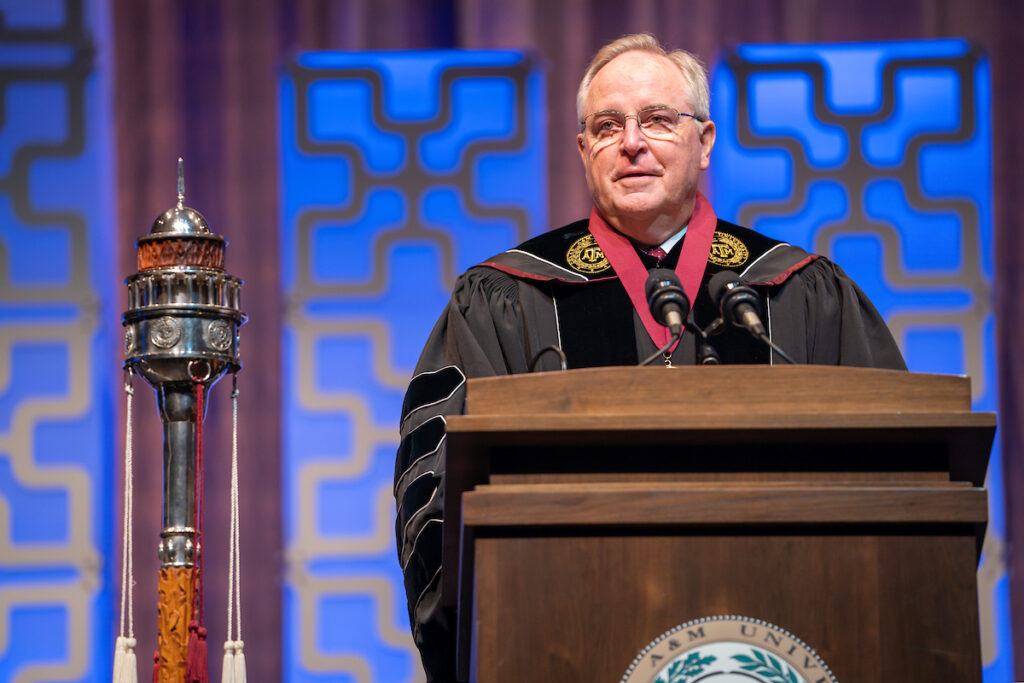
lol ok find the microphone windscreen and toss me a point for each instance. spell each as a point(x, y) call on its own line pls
point(660, 278)
point(718, 283)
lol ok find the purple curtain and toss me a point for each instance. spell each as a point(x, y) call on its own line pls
point(198, 78)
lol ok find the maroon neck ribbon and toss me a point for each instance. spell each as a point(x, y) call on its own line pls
point(633, 275)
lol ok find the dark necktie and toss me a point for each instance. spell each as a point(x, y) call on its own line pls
point(656, 253)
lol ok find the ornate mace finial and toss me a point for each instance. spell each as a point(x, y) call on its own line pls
point(181, 183)
point(183, 308)
point(181, 334)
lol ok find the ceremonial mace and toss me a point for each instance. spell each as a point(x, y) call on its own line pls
point(181, 335)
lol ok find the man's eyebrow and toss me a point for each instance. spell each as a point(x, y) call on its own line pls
point(655, 105)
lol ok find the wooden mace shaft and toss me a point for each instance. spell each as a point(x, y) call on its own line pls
point(176, 590)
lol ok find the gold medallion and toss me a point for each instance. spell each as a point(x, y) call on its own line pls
point(585, 256)
point(727, 250)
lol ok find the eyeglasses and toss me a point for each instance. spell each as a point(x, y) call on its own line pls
point(658, 122)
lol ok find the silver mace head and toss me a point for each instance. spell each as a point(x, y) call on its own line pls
point(181, 334)
point(183, 312)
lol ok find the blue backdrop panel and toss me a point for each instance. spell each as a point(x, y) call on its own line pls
point(879, 156)
point(56, 444)
point(399, 171)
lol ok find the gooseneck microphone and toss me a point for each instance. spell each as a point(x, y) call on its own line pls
point(741, 306)
point(667, 299)
point(669, 304)
point(739, 303)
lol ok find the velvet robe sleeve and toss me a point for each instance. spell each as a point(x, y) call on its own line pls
point(820, 316)
point(479, 334)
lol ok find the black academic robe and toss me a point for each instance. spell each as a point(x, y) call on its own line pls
point(550, 291)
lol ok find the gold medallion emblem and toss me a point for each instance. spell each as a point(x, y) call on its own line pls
point(727, 250)
point(586, 256)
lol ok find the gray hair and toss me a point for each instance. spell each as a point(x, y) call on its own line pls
point(694, 73)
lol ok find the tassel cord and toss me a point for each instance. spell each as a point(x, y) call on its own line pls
point(235, 571)
point(125, 666)
point(128, 513)
point(233, 669)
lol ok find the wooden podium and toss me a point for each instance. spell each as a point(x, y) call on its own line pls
point(588, 512)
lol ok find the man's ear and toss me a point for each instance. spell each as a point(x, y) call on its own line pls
point(581, 145)
point(707, 143)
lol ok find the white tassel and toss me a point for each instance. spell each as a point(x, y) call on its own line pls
point(130, 672)
point(233, 669)
point(119, 653)
point(227, 670)
point(239, 662)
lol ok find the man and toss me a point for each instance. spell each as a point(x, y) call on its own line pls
point(645, 140)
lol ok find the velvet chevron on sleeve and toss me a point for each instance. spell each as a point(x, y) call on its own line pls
point(479, 334)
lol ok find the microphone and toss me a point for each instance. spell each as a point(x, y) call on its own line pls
point(739, 303)
point(563, 362)
point(667, 300)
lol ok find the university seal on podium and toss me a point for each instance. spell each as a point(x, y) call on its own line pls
point(728, 649)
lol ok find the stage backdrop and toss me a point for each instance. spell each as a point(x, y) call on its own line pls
point(56, 384)
point(399, 171)
point(403, 169)
point(880, 157)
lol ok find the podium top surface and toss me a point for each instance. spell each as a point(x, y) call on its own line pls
point(726, 389)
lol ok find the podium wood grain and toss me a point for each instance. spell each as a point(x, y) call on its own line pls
point(588, 512)
point(883, 606)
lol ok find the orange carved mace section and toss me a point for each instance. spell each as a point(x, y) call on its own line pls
point(174, 610)
point(181, 252)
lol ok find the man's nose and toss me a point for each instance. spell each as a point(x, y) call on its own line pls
point(632, 139)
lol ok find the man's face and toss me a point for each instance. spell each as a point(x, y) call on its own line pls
point(643, 186)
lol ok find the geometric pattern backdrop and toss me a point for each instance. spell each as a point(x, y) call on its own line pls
point(879, 156)
point(399, 171)
point(56, 389)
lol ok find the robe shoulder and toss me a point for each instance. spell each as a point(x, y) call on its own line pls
point(481, 285)
point(827, 319)
point(546, 256)
point(479, 334)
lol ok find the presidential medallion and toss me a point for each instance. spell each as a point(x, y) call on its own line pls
point(586, 256)
point(727, 250)
point(727, 649)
